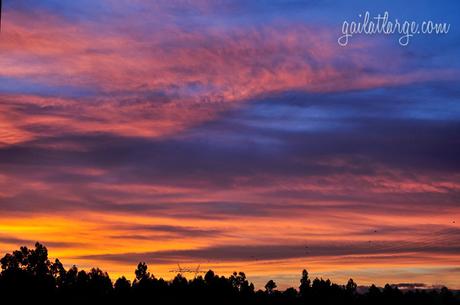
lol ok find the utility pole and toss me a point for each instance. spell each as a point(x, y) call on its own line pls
point(181, 270)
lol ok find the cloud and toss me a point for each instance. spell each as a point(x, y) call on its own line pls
point(243, 253)
point(169, 231)
point(395, 160)
point(10, 240)
point(127, 79)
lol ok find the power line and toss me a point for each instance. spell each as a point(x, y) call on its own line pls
point(181, 270)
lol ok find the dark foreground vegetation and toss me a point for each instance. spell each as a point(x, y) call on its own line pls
point(29, 277)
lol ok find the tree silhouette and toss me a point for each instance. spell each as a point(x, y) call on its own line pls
point(28, 277)
point(270, 286)
point(141, 272)
point(122, 285)
point(305, 284)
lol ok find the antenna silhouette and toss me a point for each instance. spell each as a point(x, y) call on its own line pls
point(1, 15)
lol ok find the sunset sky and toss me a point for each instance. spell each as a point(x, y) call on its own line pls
point(235, 135)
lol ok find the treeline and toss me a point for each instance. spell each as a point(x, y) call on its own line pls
point(28, 276)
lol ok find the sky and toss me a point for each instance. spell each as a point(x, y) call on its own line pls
point(232, 135)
